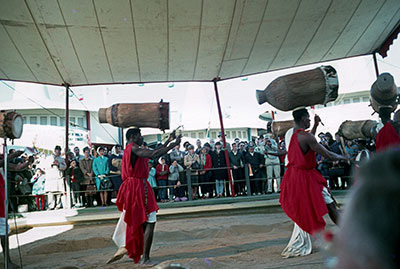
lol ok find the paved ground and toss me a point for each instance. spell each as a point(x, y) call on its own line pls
point(242, 241)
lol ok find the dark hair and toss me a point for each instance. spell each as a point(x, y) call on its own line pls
point(190, 147)
point(132, 132)
point(86, 149)
point(57, 147)
point(101, 148)
point(218, 143)
point(299, 114)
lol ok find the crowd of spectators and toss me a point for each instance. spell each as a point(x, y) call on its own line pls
point(94, 178)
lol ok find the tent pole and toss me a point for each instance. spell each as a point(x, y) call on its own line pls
point(66, 119)
point(375, 64)
point(228, 165)
point(6, 242)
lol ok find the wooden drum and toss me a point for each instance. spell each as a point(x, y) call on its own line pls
point(360, 129)
point(307, 88)
point(153, 115)
point(11, 125)
point(279, 128)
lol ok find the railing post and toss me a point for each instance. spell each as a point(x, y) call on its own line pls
point(246, 173)
point(189, 183)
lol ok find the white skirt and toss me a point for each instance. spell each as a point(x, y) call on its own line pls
point(299, 244)
point(120, 230)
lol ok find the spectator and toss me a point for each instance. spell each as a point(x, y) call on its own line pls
point(87, 185)
point(260, 148)
point(75, 177)
point(101, 170)
point(198, 145)
point(228, 146)
point(192, 164)
point(176, 192)
point(54, 184)
point(114, 164)
point(254, 161)
point(38, 192)
point(237, 163)
point(273, 165)
point(162, 171)
point(212, 144)
point(152, 177)
point(220, 174)
point(204, 174)
point(78, 157)
point(242, 148)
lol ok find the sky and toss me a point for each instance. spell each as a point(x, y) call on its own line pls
point(193, 104)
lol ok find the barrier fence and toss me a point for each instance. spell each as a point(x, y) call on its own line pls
point(186, 182)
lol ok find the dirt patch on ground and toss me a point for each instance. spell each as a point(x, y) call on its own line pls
point(71, 245)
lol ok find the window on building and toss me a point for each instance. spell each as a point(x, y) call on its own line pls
point(213, 135)
point(185, 135)
point(62, 121)
point(201, 135)
point(193, 135)
point(244, 135)
point(228, 134)
point(24, 119)
point(239, 134)
point(234, 134)
point(346, 101)
point(365, 99)
point(43, 120)
point(80, 123)
point(356, 100)
point(72, 120)
point(53, 121)
point(33, 120)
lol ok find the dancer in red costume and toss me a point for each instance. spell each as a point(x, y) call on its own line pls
point(389, 135)
point(136, 198)
point(302, 186)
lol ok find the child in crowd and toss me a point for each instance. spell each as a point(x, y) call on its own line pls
point(38, 192)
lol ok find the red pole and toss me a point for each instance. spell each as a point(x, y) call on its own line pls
point(375, 65)
point(66, 119)
point(228, 164)
point(88, 129)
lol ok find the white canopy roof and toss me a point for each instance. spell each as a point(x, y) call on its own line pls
point(82, 42)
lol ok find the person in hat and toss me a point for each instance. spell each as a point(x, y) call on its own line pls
point(54, 184)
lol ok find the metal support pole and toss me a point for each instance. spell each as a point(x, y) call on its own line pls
point(228, 165)
point(88, 128)
point(375, 64)
point(248, 186)
point(189, 183)
point(6, 243)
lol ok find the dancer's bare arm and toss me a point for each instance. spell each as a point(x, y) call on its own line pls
point(307, 141)
point(154, 154)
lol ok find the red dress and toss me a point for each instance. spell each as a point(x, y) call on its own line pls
point(387, 138)
point(301, 189)
point(131, 198)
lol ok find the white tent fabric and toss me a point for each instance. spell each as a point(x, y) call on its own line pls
point(84, 42)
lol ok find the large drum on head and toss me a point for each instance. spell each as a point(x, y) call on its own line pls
point(153, 115)
point(279, 128)
point(11, 125)
point(360, 129)
point(307, 88)
point(384, 92)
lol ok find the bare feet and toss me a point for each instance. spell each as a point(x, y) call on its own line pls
point(121, 252)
